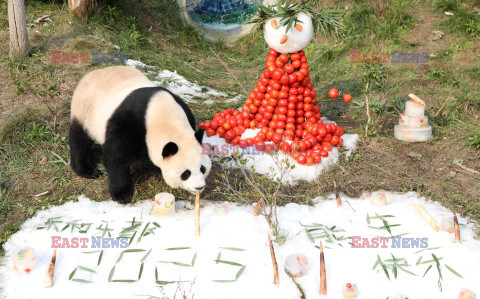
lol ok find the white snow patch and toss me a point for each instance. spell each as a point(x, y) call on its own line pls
point(274, 166)
point(180, 86)
point(239, 228)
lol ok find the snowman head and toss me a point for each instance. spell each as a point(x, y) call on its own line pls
point(291, 41)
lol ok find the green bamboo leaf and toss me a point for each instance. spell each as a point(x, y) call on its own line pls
point(111, 274)
point(179, 264)
point(233, 248)
point(141, 271)
point(124, 280)
point(395, 271)
point(431, 261)
point(438, 265)
point(431, 248)
point(100, 258)
point(239, 273)
point(126, 230)
point(429, 267)
point(228, 263)
point(131, 238)
point(194, 259)
point(87, 269)
point(145, 256)
point(81, 280)
point(310, 237)
point(157, 225)
point(143, 233)
point(404, 270)
point(375, 265)
point(218, 256)
point(368, 219)
point(385, 270)
point(72, 274)
point(178, 248)
point(419, 260)
point(156, 274)
point(453, 271)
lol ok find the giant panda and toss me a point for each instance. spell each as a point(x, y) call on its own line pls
point(134, 121)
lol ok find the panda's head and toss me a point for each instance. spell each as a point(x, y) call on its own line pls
point(183, 165)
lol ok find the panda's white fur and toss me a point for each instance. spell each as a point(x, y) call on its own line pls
point(177, 129)
point(98, 96)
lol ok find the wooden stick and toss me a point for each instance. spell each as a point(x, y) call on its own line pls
point(456, 228)
point(468, 168)
point(420, 209)
point(274, 262)
point(197, 215)
point(51, 269)
point(230, 72)
point(323, 273)
point(337, 195)
point(258, 208)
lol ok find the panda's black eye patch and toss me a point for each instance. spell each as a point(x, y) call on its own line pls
point(185, 175)
point(203, 169)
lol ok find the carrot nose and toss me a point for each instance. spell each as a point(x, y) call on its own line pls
point(274, 24)
point(284, 39)
point(299, 27)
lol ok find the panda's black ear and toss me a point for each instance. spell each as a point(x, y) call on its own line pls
point(169, 149)
point(199, 135)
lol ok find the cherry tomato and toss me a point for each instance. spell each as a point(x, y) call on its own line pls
point(243, 143)
point(301, 159)
point(276, 138)
point(347, 98)
point(260, 145)
point(296, 64)
point(283, 58)
point(289, 68)
point(285, 147)
point(295, 56)
point(230, 135)
point(292, 78)
point(333, 93)
point(210, 132)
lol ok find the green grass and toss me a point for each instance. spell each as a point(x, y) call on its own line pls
point(152, 32)
point(464, 20)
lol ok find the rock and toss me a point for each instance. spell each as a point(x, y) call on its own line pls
point(436, 35)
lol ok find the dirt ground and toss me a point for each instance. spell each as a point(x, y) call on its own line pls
point(30, 164)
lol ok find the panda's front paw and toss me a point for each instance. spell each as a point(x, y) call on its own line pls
point(122, 195)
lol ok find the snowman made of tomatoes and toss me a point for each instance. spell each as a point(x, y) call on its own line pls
point(283, 104)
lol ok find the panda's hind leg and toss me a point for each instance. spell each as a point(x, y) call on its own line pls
point(80, 151)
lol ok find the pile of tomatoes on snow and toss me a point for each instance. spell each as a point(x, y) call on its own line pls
point(283, 106)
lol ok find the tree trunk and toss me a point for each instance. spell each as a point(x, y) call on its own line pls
point(81, 8)
point(18, 28)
